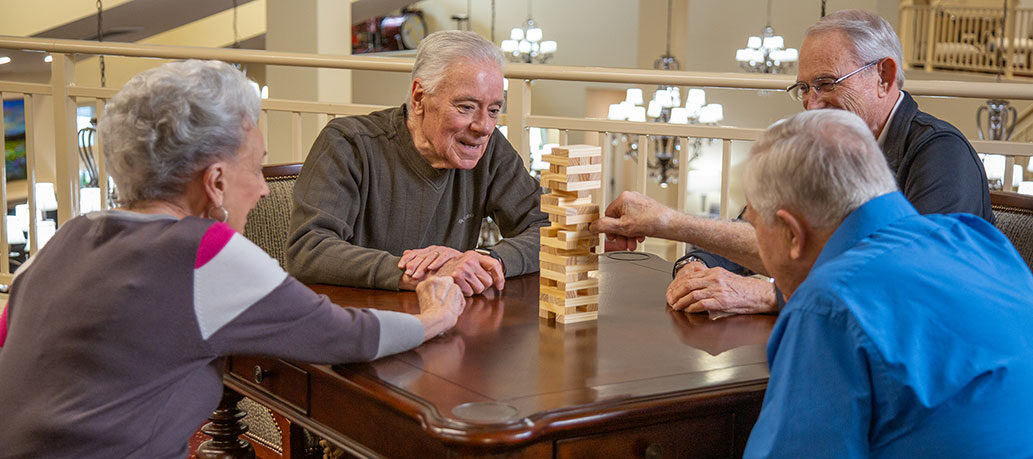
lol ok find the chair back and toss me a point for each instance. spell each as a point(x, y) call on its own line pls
point(1014, 214)
point(269, 222)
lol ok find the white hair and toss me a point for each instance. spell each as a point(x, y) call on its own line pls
point(872, 36)
point(821, 163)
point(440, 50)
point(170, 122)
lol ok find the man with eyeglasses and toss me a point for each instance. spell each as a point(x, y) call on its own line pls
point(849, 60)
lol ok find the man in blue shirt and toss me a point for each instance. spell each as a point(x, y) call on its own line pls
point(903, 335)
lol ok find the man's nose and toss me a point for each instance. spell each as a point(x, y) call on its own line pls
point(812, 100)
point(482, 123)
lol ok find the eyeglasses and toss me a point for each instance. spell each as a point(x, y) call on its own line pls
point(800, 90)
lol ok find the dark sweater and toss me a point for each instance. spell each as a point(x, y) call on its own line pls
point(365, 195)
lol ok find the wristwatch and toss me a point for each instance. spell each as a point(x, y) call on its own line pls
point(684, 261)
point(489, 252)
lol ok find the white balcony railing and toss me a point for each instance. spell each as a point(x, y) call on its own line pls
point(67, 96)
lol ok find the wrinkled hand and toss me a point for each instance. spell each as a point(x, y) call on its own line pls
point(696, 289)
point(473, 272)
point(441, 303)
point(631, 218)
point(418, 262)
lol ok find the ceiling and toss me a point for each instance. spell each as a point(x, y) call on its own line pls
point(135, 20)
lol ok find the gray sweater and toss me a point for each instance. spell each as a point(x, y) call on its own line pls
point(117, 329)
point(365, 195)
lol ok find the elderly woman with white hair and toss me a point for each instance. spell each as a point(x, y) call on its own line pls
point(114, 336)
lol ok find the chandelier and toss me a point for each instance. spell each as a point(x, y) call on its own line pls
point(767, 53)
point(525, 43)
point(665, 107)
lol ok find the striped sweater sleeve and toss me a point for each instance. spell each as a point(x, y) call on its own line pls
point(245, 303)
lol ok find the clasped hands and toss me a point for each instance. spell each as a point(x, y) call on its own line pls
point(472, 272)
point(632, 217)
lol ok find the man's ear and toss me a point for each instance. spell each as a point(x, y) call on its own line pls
point(214, 181)
point(796, 232)
point(887, 75)
point(416, 96)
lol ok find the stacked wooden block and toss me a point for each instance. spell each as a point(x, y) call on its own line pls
point(568, 292)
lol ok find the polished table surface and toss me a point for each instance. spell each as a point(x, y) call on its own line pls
point(505, 380)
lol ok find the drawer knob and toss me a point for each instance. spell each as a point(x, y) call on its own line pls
point(654, 451)
point(260, 374)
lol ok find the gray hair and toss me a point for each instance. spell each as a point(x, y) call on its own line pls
point(873, 37)
point(170, 122)
point(440, 49)
point(822, 163)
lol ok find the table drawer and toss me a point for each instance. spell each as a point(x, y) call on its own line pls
point(278, 378)
point(698, 437)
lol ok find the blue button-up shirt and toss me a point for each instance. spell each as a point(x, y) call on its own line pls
point(912, 336)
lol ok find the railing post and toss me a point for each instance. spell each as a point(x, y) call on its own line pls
point(907, 30)
point(1009, 46)
point(66, 162)
point(518, 108)
point(931, 14)
point(726, 175)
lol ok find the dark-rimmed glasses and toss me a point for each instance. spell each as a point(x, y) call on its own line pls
point(801, 90)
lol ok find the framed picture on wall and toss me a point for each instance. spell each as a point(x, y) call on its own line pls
point(14, 139)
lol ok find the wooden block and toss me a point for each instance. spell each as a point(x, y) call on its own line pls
point(568, 314)
point(565, 277)
point(577, 317)
point(570, 260)
point(576, 252)
point(566, 269)
point(571, 195)
point(549, 231)
point(561, 200)
point(577, 151)
point(572, 161)
point(575, 186)
point(591, 292)
point(567, 235)
point(564, 302)
point(571, 209)
point(567, 220)
point(568, 245)
point(590, 283)
point(574, 170)
point(570, 178)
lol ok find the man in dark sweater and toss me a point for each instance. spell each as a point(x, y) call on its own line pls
point(849, 60)
point(386, 199)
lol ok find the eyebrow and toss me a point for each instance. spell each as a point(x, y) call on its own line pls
point(474, 99)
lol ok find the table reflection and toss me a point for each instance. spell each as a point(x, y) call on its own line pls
point(717, 336)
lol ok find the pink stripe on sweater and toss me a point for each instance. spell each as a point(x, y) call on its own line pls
point(3, 326)
point(217, 236)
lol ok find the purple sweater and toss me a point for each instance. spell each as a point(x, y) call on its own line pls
point(116, 332)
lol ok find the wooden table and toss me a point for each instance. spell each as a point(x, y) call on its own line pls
point(643, 380)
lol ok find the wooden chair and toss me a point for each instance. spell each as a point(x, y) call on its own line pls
point(269, 221)
point(1014, 214)
point(267, 226)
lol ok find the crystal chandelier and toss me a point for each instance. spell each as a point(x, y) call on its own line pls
point(525, 43)
point(767, 53)
point(665, 107)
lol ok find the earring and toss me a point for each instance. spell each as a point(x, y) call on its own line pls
point(219, 213)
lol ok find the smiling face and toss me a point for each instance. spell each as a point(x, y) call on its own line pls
point(828, 55)
point(452, 125)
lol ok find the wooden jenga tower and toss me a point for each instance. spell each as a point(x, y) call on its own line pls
point(567, 292)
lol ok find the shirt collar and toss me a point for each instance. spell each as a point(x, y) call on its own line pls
point(889, 121)
point(872, 216)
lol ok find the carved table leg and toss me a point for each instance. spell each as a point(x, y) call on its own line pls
point(226, 428)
